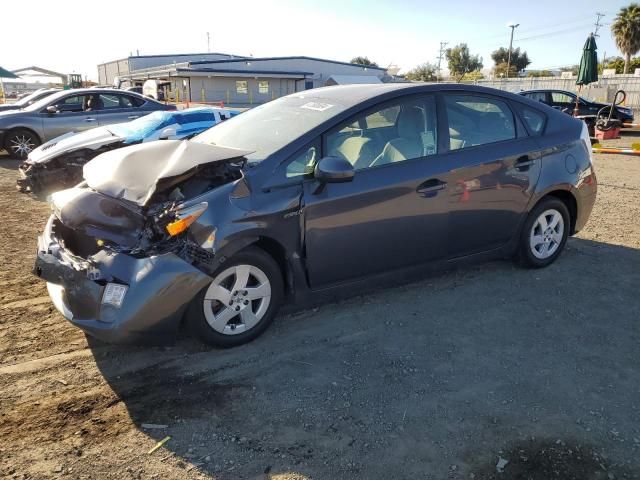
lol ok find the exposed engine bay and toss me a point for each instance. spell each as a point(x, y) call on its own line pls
point(61, 172)
point(89, 219)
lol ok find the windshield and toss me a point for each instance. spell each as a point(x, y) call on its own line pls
point(140, 127)
point(43, 102)
point(267, 128)
point(25, 100)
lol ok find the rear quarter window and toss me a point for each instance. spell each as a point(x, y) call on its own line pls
point(533, 119)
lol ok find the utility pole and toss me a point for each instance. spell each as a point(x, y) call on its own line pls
point(597, 24)
point(440, 57)
point(513, 26)
point(208, 43)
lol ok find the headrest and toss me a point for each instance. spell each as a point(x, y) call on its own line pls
point(410, 122)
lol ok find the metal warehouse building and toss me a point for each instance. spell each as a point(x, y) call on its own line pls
point(236, 80)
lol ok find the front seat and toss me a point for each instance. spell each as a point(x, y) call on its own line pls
point(409, 142)
point(358, 151)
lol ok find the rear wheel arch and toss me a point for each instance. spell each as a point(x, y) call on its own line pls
point(570, 202)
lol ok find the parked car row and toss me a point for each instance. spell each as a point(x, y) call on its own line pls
point(318, 191)
point(28, 99)
point(58, 163)
point(566, 102)
point(76, 110)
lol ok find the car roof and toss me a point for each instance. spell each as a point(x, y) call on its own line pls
point(547, 90)
point(349, 95)
point(93, 91)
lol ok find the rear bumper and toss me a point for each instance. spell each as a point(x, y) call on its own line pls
point(585, 195)
point(159, 290)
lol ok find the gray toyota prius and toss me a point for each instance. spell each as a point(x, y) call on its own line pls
point(310, 194)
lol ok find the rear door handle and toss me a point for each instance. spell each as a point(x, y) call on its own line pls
point(89, 119)
point(523, 163)
point(431, 187)
point(133, 117)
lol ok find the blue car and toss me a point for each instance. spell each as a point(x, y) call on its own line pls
point(58, 163)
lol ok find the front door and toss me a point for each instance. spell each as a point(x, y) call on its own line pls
point(496, 165)
point(75, 113)
point(393, 213)
point(563, 101)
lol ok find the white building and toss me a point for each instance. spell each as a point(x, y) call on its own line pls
point(32, 78)
point(214, 77)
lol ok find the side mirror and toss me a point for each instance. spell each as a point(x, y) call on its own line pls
point(52, 109)
point(167, 133)
point(333, 170)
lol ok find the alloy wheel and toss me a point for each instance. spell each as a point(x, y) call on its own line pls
point(21, 145)
point(237, 299)
point(546, 234)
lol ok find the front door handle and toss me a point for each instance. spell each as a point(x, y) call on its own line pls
point(431, 187)
point(133, 117)
point(89, 119)
point(523, 163)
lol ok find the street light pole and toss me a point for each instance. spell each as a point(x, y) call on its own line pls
point(513, 26)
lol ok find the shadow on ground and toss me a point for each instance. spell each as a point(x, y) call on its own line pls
point(442, 378)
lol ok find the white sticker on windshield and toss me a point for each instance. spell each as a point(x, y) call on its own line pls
point(319, 107)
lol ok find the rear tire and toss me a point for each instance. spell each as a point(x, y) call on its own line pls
point(241, 301)
point(20, 142)
point(544, 233)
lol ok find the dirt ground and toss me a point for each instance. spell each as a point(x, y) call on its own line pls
point(485, 372)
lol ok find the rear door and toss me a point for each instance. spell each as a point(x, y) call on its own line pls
point(75, 114)
point(118, 108)
point(496, 166)
point(394, 213)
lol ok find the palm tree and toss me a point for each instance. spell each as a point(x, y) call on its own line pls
point(626, 31)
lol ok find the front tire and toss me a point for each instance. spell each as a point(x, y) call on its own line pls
point(544, 234)
point(241, 301)
point(20, 142)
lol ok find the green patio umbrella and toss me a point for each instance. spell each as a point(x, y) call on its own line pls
point(5, 74)
point(588, 72)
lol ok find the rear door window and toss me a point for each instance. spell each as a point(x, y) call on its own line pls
point(477, 120)
point(110, 101)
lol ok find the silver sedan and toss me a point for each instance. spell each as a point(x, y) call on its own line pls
point(70, 111)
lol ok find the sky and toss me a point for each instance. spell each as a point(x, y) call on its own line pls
point(75, 36)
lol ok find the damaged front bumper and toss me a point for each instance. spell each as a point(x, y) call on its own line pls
point(158, 290)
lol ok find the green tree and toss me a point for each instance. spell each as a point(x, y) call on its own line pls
point(626, 32)
point(460, 61)
point(617, 63)
point(424, 72)
point(500, 70)
point(540, 73)
point(519, 59)
point(363, 61)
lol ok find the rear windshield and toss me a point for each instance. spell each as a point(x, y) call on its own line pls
point(268, 128)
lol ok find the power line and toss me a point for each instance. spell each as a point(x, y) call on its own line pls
point(557, 32)
point(540, 30)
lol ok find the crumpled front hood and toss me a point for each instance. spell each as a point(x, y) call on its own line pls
point(132, 173)
point(69, 142)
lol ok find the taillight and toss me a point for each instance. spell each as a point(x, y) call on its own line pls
point(584, 136)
